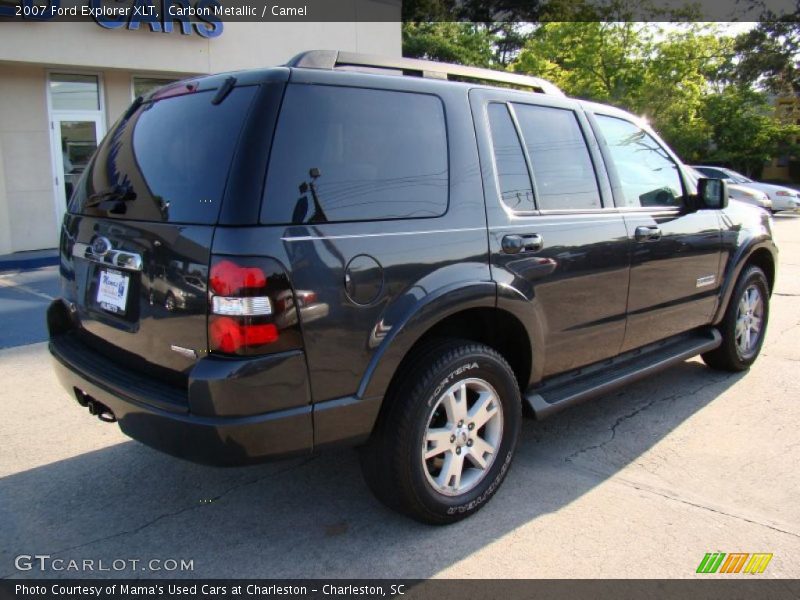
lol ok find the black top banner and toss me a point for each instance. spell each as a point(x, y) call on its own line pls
point(148, 12)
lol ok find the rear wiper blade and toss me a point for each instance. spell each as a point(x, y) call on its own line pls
point(133, 108)
point(223, 90)
point(118, 193)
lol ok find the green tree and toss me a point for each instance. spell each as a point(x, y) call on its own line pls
point(685, 67)
point(686, 80)
point(462, 43)
point(744, 132)
point(595, 60)
point(768, 56)
point(677, 78)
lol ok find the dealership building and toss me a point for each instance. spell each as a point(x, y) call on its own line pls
point(63, 84)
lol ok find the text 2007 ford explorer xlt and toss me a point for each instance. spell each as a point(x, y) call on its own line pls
point(365, 251)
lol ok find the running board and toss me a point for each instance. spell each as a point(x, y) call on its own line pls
point(572, 388)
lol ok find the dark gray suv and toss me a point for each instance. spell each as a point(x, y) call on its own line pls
point(392, 254)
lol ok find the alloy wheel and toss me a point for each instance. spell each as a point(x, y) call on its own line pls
point(462, 438)
point(749, 321)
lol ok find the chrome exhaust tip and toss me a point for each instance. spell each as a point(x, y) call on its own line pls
point(100, 410)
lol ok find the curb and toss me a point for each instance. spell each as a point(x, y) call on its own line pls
point(25, 264)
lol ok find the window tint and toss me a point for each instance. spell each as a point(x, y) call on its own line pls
point(173, 155)
point(351, 154)
point(512, 172)
point(562, 167)
point(649, 177)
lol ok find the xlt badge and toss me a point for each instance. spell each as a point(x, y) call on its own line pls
point(187, 352)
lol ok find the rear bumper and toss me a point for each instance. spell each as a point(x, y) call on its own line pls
point(208, 440)
point(232, 412)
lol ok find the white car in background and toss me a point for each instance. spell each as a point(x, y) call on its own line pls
point(782, 197)
point(736, 191)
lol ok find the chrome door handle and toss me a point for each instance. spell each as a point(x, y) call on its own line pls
point(646, 233)
point(514, 244)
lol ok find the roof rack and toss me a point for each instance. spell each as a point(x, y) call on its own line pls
point(332, 59)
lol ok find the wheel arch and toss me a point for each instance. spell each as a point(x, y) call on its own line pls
point(761, 255)
point(764, 260)
point(468, 313)
point(494, 327)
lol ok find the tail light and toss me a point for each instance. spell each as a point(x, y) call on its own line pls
point(246, 317)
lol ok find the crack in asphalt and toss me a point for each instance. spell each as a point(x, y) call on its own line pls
point(708, 508)
point(636, 411)
point(175, 513)
point(788, 329)
point(780, 357)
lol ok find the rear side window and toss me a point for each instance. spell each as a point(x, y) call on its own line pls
point(353, 154)
point(170, 160)
point(512, 172)
point(561, 163)
point(647, 174)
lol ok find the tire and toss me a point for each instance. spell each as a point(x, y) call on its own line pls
point(169, 302)
point(736, 353)
point(428, 394)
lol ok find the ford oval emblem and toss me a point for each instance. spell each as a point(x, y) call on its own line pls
point(101, 246)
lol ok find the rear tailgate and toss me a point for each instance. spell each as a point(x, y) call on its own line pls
point(136, 304)
point(137, 240)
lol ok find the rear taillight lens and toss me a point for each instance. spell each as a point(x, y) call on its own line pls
point(228, 278)
point(231, 336)
point(246, 317)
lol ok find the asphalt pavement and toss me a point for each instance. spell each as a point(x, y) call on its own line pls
point(641, 483)
point(24, 297)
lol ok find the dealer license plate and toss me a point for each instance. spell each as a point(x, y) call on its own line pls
point(112, 290)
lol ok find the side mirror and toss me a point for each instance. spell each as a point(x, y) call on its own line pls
point(712, 193)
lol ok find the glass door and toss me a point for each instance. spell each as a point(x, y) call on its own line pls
point(75, 138)
point(77, 124)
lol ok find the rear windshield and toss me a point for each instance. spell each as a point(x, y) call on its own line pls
point(168, 162)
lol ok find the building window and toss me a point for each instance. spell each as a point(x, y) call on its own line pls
point(145, 85)
point(74, 92)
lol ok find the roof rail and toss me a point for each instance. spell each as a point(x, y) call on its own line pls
point(331, 59)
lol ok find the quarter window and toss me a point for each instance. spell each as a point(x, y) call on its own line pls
point(512, 173)
point(647, 174)
point(354, 154)
point(562, 167)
